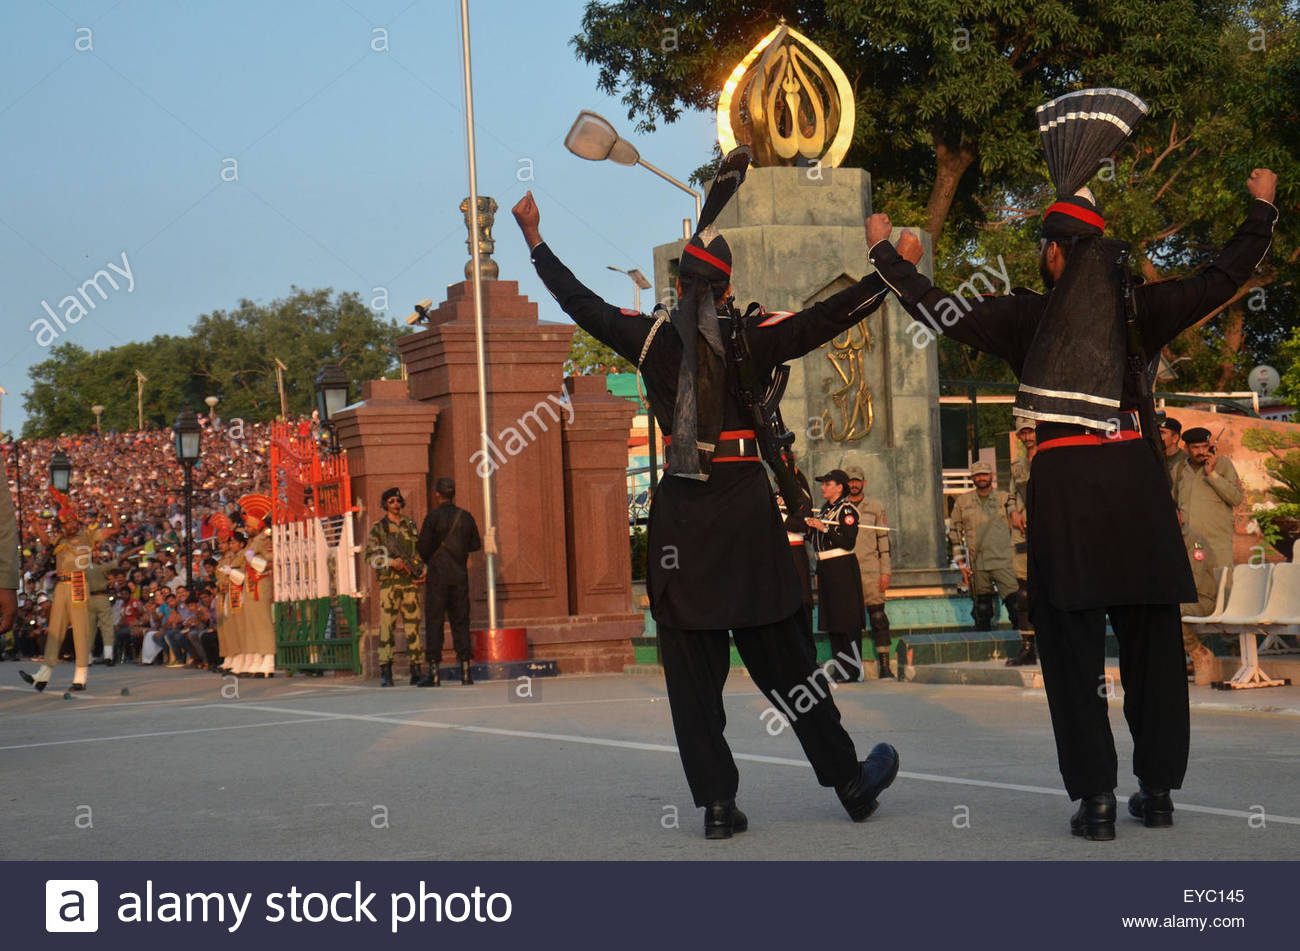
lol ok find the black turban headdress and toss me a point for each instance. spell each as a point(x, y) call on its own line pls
point(701, 378)
point(1074, 370)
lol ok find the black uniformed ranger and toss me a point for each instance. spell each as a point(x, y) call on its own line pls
point(1104, 539)
point(718, 557)
point(447, 537)
point(834, 533)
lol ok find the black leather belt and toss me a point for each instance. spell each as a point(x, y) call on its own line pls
point(734, 445)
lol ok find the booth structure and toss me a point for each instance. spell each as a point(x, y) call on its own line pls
point(317, 617)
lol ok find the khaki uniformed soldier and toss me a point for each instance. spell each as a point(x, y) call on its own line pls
point(1171, 432)
point(390, 547)
point(99, 608)
point(1205, 572)
point(981, 538)
point(230, 604)
point(1207, 490)
point(873, 561)
point(1020, 467)
point(72, 557)
point(259, 589)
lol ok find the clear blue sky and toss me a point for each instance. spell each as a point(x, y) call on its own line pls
point(351, 162)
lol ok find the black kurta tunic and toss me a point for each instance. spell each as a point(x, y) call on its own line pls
point(717, 556)
point(1102, 526)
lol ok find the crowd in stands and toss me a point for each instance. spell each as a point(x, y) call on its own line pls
point(133, 479)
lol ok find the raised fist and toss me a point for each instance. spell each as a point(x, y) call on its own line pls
point(879, 228)
point(526, 212)
point(909, 246)
point(1262, 184)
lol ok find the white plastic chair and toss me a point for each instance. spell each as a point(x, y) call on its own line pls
point(1281, 616)
point(1249, 593)
point(1246, 604)
point(1219, 600)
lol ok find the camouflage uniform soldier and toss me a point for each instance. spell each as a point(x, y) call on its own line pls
point(391, 549)
point(873, 561)
point(981, 538)
point(1028, 437)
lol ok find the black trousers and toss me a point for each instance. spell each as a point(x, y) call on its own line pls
point(696, 664)
point(1071, 648)
point(450, 601)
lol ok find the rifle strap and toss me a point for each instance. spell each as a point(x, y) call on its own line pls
point(661, 318)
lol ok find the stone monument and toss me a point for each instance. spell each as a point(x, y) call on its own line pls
point(797, 235)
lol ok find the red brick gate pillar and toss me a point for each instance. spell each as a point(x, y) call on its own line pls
point(387, 436)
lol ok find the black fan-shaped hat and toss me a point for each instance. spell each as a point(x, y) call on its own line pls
point(1079, 129)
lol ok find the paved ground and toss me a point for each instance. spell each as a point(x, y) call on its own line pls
point(191, 766)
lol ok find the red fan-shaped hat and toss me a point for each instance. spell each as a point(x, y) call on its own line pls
point(221, 522)
point(256, 505)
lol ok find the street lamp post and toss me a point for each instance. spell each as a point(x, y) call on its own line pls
point(331, 396)
point(60, 471)
point(592, 137)
point(639, 284)
point(98, 410)
point(188, 439)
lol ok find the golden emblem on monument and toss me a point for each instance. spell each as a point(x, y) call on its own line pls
point(851, 395)
point(789, 101)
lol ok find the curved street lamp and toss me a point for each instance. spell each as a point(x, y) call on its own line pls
point(593, 138)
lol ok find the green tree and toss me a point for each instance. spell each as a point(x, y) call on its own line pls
point(940, 88)
point(230, 355)
point(1288, 365)
point(587, 355)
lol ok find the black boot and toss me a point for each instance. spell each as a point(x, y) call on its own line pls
point(465, 676)
point(1027, 654)
point(417, 674)
point(882, 667)
point(1095, 819)
point(982, 613)
point(385, 675)
point(859, 795)
point(1152, 805)
point(431, 678)
point(722, 819)
point(1013, 611)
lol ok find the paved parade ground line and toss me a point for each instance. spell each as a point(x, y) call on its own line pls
point(192, 766)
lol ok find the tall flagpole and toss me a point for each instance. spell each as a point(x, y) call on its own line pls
point(484, 441)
